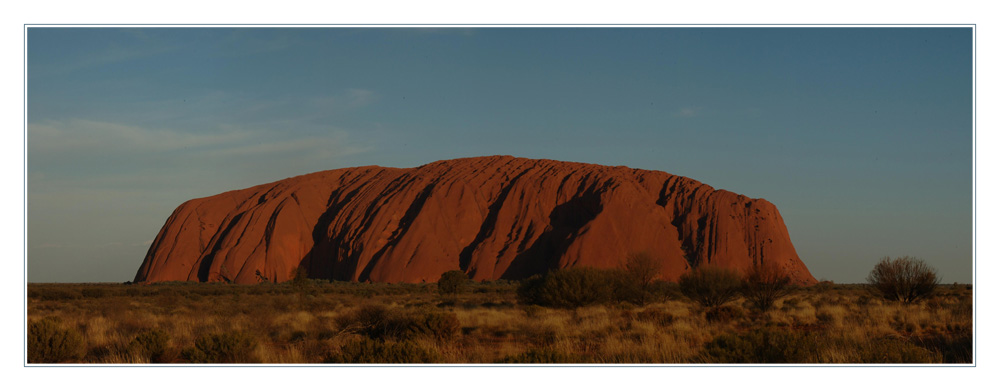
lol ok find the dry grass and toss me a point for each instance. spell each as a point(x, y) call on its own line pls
point(305, 324)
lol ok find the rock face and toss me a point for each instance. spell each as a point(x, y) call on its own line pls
point(494, 217)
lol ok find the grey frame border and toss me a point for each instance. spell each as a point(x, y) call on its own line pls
point(973, 27)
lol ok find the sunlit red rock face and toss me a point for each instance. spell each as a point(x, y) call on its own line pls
point(495, 217)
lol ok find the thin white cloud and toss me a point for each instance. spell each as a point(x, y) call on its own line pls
point(80, 137)
point(360, 97)
point(349, 99)
point(687, 112)
point(98, 164)
point(216, 109)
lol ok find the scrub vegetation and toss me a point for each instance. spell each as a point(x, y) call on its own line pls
point(570, 316)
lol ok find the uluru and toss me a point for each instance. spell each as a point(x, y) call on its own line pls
point(496, 217)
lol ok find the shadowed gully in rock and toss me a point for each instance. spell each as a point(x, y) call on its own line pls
point(492, 217)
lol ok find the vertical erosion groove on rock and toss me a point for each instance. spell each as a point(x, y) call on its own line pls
point(495, 217)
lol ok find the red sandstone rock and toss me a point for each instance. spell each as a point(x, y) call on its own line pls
point(494, 217)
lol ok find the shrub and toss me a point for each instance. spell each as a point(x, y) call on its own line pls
point(722, 314)
point(576, 287)
point(904, 279)
point(664, 290)
point(373, 321)
point(764, 284)
point(300, 278)
point(823, 286)
point(441, 325)
point(762, 346)
point(143, 290)
point(152, 344)
point(642, 269)
point(452, 282)
point(710, 286)
point(825, 317)
point(532, 311)
point(377, 321)
point(369, 351)
point(229, 347)
point(49, 342)
point(94, 293)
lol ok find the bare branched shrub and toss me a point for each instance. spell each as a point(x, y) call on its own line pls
point(376, 321)
point(763, 284)
point(642, 268)
point(905, 279)
point(710, 286)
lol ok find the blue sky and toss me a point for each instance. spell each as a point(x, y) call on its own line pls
point(861, 136)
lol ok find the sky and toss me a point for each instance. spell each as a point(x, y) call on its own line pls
point(862, 137)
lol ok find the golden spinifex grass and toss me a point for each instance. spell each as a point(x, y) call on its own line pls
point(322, 322)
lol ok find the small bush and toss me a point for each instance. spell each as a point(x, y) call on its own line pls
point(904, 279)
point(300, 278)
point(440, 325)
point(642, 270)
point(722, 314)
point(664, 290)
point(765, 284)
point(823, 286)
point(369, 351)
point(151, 344)
point(374, 321)
point(377, 321)
point(825, 317)
point(229, 347)
point(532, 311)
point(94, 293)
point(576, 287)
point(141, 291)
point(49, 342)
point(762, 346)
point(452, 282)
point(710, 286)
